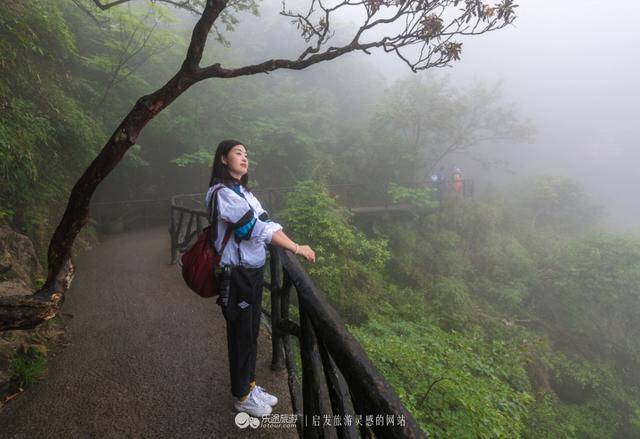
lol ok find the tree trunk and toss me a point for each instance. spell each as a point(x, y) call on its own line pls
point(24, 312)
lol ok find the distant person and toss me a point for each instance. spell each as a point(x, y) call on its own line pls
point(242, 269)
point(438, 181)
point(438, 176)
point(458, 181)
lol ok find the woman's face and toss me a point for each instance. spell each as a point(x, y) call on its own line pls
point(237, 161)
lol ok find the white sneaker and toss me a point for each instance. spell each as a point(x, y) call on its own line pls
point(252, 405)
point(264, 396)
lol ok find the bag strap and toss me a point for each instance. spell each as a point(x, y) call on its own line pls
point(213, 208)
point(213, 215)
point(227, 235)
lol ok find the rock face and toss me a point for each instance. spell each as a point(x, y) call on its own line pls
point(19, 267)
point(18, 263)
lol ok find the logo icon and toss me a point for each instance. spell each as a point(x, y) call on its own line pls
point(244, 420)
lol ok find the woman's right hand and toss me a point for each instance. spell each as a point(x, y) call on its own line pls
point(307, 253)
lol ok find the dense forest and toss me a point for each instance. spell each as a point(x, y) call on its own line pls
point(511, 314)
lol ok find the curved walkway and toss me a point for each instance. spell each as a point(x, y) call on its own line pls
point(147, 357)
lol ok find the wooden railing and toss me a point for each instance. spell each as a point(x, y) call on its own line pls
point(338, 381)
point(368, 199)
point(119, 216)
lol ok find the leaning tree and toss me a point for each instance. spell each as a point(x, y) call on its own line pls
point(422, 33)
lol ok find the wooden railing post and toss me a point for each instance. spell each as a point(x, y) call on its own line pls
point(339, 394)
point(176, 236)
point(277, 348)
point(295, 390)
point(189, 225)
point(314, 394)
point(198, 224)
point(172, 235)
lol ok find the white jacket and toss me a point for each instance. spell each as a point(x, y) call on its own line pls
point(247, 244)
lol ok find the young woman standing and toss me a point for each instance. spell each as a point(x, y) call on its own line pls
point(240, 215)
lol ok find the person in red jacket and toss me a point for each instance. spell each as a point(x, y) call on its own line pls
point(458, 181)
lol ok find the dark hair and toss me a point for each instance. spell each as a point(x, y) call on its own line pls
point(220, 171)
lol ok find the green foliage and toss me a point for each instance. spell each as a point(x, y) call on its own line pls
point(482, 267)
point(46, 137)
point(449, 296)
point(592, 419)
point(419, 252)
point(453, 384)
point(635, 420)
point(349, 265)
point(203, 156)
point(286, 126)
point(558, 205)
point(417, 197)
point(545, 419)
point(593, 292)
point(503, 269)
point(28, 366)
point(465, 242)
point(130, 38)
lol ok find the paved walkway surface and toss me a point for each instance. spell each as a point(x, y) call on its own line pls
point(147, 357)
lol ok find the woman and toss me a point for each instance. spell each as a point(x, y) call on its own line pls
point(240, 216)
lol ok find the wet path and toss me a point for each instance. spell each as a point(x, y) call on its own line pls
point(147, 357)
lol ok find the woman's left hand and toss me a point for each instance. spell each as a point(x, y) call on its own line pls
point(307, 253)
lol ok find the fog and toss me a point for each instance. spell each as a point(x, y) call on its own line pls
point(569, 66)
point(572, 67)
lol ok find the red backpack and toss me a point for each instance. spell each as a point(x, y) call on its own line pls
point(200, 260)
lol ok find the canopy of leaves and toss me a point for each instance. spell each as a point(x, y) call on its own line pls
point(45, 133)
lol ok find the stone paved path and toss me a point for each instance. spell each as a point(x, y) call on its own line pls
point(147, 357)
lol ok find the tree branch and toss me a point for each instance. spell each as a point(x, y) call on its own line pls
point(217, 71)
point(106, 6)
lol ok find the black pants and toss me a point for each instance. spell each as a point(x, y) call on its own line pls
point(243, 326)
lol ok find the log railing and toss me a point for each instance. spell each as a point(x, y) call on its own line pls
point(370, 199)
point(122, 215)
point(338, 393)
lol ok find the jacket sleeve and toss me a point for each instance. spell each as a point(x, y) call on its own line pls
point(236, 210)
point(263, 217)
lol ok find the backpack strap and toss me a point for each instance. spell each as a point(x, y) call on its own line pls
point(213, 216)
point(213, 206)
point(227, 235)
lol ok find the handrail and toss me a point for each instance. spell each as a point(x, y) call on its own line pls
point(338, 379)
point(142, 200)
